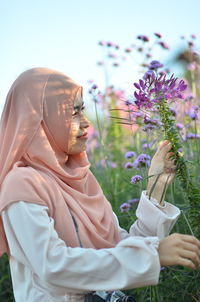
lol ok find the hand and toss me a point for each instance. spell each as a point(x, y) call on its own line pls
point(179, 249)
point(162, 164)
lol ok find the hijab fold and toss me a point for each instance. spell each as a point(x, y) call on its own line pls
point(35, 166)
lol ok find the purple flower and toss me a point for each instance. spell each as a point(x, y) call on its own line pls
point(137, 114)
point(164, 45)
point(154, 88)
point(143, 160)
point(179, 126)
point(135, 179)
point(158, 35)
point(173, 111)
point(109, 44)
point(148, 127)
point(102, 43)
point(191, 66)
point(128, 165)
point(147, 120)
point(125, 207)
point(148, 55)
point(100, 63)
point(129, 154)
point(192, 136)
point(155, 65)
point(94, 86)
point(146, 146)
point(132, 201)
point(128, 102)
point(127, 49)
point(150, 74)
point(190, 43)
point(143, 38)
point(193, 114)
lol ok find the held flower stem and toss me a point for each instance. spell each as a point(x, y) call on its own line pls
point(183, 172)
point(154, 93)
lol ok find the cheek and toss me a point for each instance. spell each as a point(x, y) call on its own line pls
point(73, 133)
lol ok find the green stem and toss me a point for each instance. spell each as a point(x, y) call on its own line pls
point(183, 173)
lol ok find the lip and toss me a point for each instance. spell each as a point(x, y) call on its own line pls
point(84, 135)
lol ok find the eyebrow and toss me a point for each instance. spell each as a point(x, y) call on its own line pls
point(79, 106)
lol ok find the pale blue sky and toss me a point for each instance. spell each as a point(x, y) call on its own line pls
point(64, 34)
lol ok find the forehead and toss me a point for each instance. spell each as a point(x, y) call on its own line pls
point(78, 101)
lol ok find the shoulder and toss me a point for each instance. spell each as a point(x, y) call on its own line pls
point(26, 176)
point(26, 183)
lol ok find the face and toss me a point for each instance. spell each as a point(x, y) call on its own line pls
point(78, 131)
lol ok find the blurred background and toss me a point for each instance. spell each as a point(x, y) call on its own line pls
point(64, 35)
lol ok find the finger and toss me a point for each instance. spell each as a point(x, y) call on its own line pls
point(164, 149)
point(168, 178)
point(191, 239)
point(169, 156)
point(169, 168)
point(186, 262)
point(192, 255)
point(169, 163)
point(187, 246)
point(161, 145)
point(164, 143)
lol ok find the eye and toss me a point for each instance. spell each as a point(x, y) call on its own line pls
point(77, 111)
point(74, 113)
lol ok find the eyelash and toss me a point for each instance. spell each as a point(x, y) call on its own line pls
point(76, 112)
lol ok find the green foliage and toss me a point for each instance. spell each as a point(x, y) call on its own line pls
point(176, 283)
point(6, 294)
point(192, 192)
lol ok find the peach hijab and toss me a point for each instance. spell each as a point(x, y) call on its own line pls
point(35, 166)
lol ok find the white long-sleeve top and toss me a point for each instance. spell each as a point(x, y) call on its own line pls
point(44, 269)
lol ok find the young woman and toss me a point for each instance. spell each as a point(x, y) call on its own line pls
point(57, 227)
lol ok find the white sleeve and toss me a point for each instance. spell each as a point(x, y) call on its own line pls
point(33, 241)
point(153, 219)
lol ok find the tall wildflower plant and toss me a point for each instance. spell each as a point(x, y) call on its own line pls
point(154, 93)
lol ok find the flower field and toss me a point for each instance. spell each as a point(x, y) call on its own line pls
point(160, 104)
point(163, 102)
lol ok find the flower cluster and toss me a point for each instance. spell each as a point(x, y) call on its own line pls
point(129, 154)
point(143, 160)
point(126, 206)
point(136, 179)
point(154, 88)
point(154, 93)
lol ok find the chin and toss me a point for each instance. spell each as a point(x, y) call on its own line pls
point(75, 151)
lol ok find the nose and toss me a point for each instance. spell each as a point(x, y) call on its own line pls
point(84, 122)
